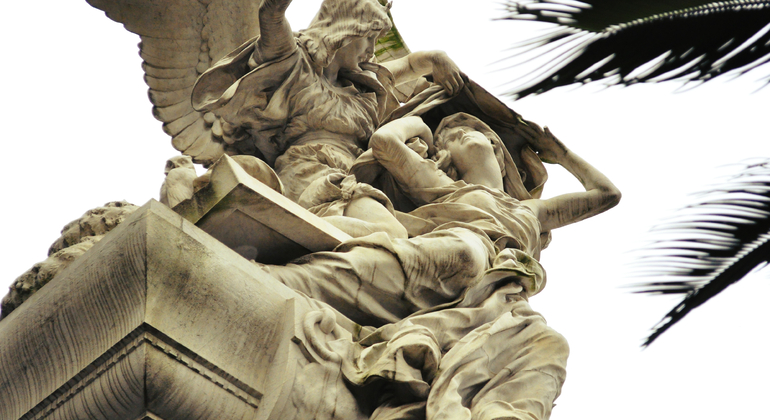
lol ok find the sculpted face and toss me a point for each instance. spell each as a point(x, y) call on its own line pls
point(470, 149)
point(357, 51)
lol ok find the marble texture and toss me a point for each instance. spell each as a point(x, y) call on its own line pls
point(76, 238)
point(178, 185)
point(305, 277)
point(180, 40)
point(160, 321)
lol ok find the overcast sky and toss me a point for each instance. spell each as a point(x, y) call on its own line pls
point(78, 132)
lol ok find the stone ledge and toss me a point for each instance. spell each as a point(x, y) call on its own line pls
point(156, 295)
point(148, 371)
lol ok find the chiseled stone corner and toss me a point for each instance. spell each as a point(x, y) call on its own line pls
point(157, 320)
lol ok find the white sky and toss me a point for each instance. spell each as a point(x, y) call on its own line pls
point(79, 133)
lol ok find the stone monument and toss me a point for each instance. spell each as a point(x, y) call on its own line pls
point(364, 244)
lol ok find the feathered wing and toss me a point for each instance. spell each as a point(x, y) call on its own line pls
point(641, 41)
point(180, 39)
point(717, 242)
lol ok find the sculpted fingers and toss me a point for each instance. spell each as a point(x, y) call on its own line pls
point(541, 141)
point(454, 82)
point(446, 73)
point(451, 85)
point(459, 83)
point(534, 128)
point(530, 132)
point(458, 77)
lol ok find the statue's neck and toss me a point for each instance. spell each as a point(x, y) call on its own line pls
point(484, 175)
point(332, 73)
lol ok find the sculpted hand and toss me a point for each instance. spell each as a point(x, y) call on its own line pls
point(549, 149)
point(419, 146)
point(446, 73)
point(423, 138)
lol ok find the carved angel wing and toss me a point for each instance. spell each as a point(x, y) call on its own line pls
point(180, 39)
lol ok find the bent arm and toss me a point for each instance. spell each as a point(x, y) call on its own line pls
point(417, 64)
point(389, 147)
point(600, 195)
point(276, 38)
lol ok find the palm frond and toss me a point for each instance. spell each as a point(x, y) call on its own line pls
point(695, 43)
point(713, 244)
point(593, 15)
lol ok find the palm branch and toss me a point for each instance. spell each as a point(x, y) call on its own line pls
point(638, 41)
point(717, 241)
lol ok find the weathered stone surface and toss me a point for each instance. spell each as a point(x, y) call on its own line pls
point(180, 40)
point(76, 238)
point(178, 185)
point(162, 320)
point(159, 319)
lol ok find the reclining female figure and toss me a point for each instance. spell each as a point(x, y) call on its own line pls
point(465, 280)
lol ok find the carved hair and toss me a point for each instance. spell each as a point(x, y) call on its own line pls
point(444, 159)
point(339, 22)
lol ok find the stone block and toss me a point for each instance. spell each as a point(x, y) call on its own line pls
point(157, 321)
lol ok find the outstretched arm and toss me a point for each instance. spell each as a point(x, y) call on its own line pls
point(417, 64)
point(600, 195)
point(276, 38)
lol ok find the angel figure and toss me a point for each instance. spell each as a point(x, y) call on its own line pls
point(308, 102)
point(466, 279)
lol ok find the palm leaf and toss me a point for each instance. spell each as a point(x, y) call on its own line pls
point(633, 42)
point(597, 15)
point(715, 243)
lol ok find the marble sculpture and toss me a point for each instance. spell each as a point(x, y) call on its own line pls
point(433, 187)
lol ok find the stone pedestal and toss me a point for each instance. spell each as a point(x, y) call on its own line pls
point(157, 321)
